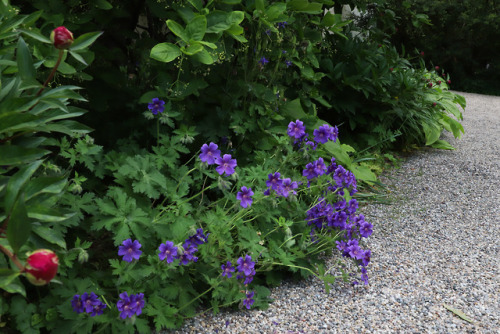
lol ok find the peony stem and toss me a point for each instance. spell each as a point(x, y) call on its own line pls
point(13, 257)
point(51, 75)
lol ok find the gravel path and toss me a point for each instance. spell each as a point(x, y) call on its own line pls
point(436, 244)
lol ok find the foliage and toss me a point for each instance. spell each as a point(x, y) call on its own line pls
point(231, 74)
point(463, 38)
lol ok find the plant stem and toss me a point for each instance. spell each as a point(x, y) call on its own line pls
point(194, 299)
point(13, 258)
point(51, 75)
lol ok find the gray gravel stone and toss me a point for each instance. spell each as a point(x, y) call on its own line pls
point(437, 243)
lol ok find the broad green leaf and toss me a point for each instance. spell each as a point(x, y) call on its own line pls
point(293, 109)
point(364, 173)
point(231, 2)
point(235, 30)
point(305, 6)
point(193, 49)
point(196, 28)
point(165, 52)
point(45, 214)
point(198, 4)
point(259, 5)
point(17, 181)
point(275, 10)
point(14, 155)
point(204, 57)
point(210, 45)
point(85, 40)
point(338, 152)
point(19, 226)
point(14, 121)
point(44, 185)
point(66, 68)
point(177, 30)
point(24, 61)
point(15, 287)
point(432, 133)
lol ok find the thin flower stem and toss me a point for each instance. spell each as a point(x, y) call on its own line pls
point(51, 75)
point(158, 132)
point(13, 258)
point(194, 299)
point(298, 267)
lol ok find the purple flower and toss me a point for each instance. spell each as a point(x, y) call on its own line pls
point(312, 144)
point(364, 276)
point(288, 63)
point(130, 250)
point(296, 129)
point(366, 229)
point(77, 304)
point(225, 164)
point(245, 196)
point(366, 257)
point(319, 167)
point(334, 134)
point(287, 187)
point(268, 32)
point(245, 265)
point(274, 181)
point(353, 206)
point(89, 301)
point(248, 301)
point(128, 306)
point(249, 278)
point(156, 106)
point(227, 269)
point(355, 252)
point(263, 61)
point(98, 309)
point(310, 171)
point(282, 24)
point(167, 250)
point(322, 134)
point(209, 153)
point(188, 254)
point(137, 303)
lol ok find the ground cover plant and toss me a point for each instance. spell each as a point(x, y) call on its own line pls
point(233, 177)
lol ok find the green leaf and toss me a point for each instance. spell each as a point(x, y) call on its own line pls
point(44, 185)
point(458, 313)
point(46, 214)
point(85, 40)
point(78, 57)
point(305, 6)
point(15, 287)
point(177, 30)
point(14, 121)
point(204, 57)
point(15, 155)
point(34, 34)
point(7, 276)
point(338, 152)
point(432, 133)
point(24, 61)
point(17, 181)
point(103, 4)
point(196, 28)
point(165, 52)
point(293, 109)
point(364, 173)
point(231, 2)
point(442, 144)
point(51, 235)
point(19, 227)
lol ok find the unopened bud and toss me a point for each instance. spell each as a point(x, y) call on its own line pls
point(62, 38)
point(41, 266)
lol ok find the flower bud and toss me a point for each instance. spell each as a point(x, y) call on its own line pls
point(41, 266)
point(61, 37)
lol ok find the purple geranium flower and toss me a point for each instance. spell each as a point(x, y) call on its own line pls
point(282, 24)
point(130, 250)
point(248, 301)
point(263, 61)
point(288, 63)
point(366, 257)
point(168, 251)
point(366, 229)
point(319, 167)
point(245, 265)
point(296, 129)
point(322, 134)
point(310, 171)
point(225, 164)
point(137, 303)
point(77, 304)
point(352, 206)
point(98, 309)
point(274, 181)
point(245, 197)
point(288, 186)
point(227, 269)
point(209, 153)
point(188, 254)
point(89, 301)
point(125, 306)
point(156, 106)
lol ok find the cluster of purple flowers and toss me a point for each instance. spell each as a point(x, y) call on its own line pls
point(246, 270)
point(323, 134)
point(282, 187)
point(88, 303)
point(130, 305)
point(189, 248)
point(211, 155)
point(156, 106)
point(263, 61)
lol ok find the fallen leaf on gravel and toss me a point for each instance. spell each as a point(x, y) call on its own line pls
point(458, 313)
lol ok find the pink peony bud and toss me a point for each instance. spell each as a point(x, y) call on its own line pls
point(434, 104)
point(439, 82)
point(448, 82)
point(429, 84)
point(437, 68)
point(41, 266)
point(61, 37)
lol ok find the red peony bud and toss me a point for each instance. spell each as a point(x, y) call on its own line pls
point(422, 53)
point(434, 104)
point(41, 266)
point(429, 84)
point(448, 82)
point(439, 82)
point(61, 37)
point(391, 69)
point(437, 68)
